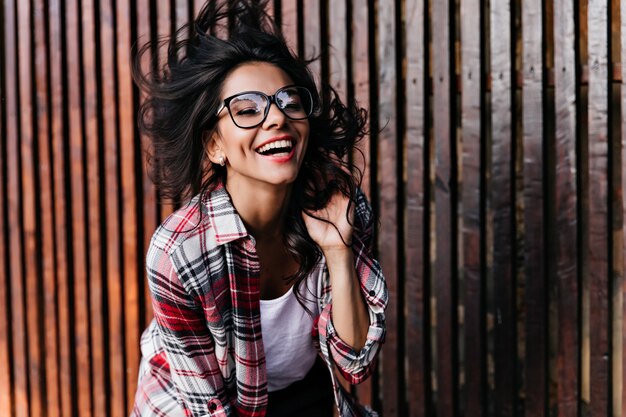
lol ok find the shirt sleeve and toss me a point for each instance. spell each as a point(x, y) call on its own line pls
point(187, 342)
point(356, 366)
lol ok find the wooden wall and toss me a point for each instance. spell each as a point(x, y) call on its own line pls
point(494, 164)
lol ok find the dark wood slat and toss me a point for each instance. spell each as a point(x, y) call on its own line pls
point(149, 212)
point(50, 353)
point(417, 371)
point(95, 172)
point(620, 333)
point(133, 261)
point(474, 392)
point(337, 48)
point(6, 387)
point(565, 368)
point(18, 325)
point(81, 343)
point(535, 300)
point(598, 209)
point(617, 204)
point(312, 36)
point(289, 17)
point(338, 77)
point(31, 254)
point(164, 16)
point(444, 272)
point(361, 76)
point(387, 159)
point(61, 202)
point(503, 216)
point(111, 196)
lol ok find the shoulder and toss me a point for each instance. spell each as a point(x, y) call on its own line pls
point(190, 224)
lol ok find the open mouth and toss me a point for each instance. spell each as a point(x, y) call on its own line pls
point(279, 147)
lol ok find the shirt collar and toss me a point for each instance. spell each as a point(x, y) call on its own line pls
point(224, 219)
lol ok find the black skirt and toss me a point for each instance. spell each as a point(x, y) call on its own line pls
point(312, 396)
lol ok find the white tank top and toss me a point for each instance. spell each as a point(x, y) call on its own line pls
point(286, 331)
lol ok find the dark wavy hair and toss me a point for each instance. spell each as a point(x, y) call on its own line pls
point(184, 94)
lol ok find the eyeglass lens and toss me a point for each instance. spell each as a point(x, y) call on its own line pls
point(249, 109)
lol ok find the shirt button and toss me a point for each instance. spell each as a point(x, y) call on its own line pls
point(212, 406)
point(372, 293)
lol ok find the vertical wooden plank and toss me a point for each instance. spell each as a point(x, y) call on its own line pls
point(6, 357)
point(535, 298)
point(361, 76)
point(132, 260)
point(111, 195)
point(312, 37)
point(31, 254)
point(417, 373)
point(503, 206)
point(387, 187)
point(19, 348)
point(616, 204)
point(564, 305)
point(149, 197)
point(620, 391)
point(338, 48)
point(81, 398)
point(471, 193)
point(445, 272)
point(97, 239)
point(289, 20)
point(598, 208)
point(362, 158)
point(61, 200)
point(164, 24)
point(44, 162)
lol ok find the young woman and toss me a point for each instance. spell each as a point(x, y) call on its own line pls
point(263, 284)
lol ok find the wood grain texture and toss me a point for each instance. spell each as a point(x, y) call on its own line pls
point(621, 391)
point(387, 185)
point(148, 212)
point(417, 371)
point(112, 285)
point(50, 373)
point(31, 254)
point(503, 211)
point(96, 212)
point(535, 300)
point(445, 268)
point(473, 370)
point(79, 302)
point(566, 302)
point(132, 273)
point(6, 357)
point(59, 140)
point(598, 209)
point(20, 400)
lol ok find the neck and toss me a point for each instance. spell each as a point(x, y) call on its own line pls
point(262, 208)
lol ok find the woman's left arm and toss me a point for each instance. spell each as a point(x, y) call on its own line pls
point(359, 294)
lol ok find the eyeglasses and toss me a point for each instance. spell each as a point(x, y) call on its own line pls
point(250, 108)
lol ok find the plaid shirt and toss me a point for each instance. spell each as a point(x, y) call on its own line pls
point(202, 354)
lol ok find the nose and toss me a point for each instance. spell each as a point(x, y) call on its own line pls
point(275, 117)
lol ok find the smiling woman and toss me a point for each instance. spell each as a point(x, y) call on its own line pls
point(263, 284)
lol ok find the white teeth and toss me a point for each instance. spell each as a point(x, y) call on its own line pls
point(273, 145)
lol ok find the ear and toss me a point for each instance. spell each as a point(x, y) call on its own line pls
point(212, 146)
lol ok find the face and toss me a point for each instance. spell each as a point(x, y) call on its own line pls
point(268, 154)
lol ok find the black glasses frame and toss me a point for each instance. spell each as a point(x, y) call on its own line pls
point(270, 99)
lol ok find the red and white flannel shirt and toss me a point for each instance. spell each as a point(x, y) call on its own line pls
point(202, 354)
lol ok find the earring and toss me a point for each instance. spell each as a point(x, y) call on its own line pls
point(222, 160)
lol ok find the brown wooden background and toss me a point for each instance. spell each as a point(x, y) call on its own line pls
point(495, 165)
